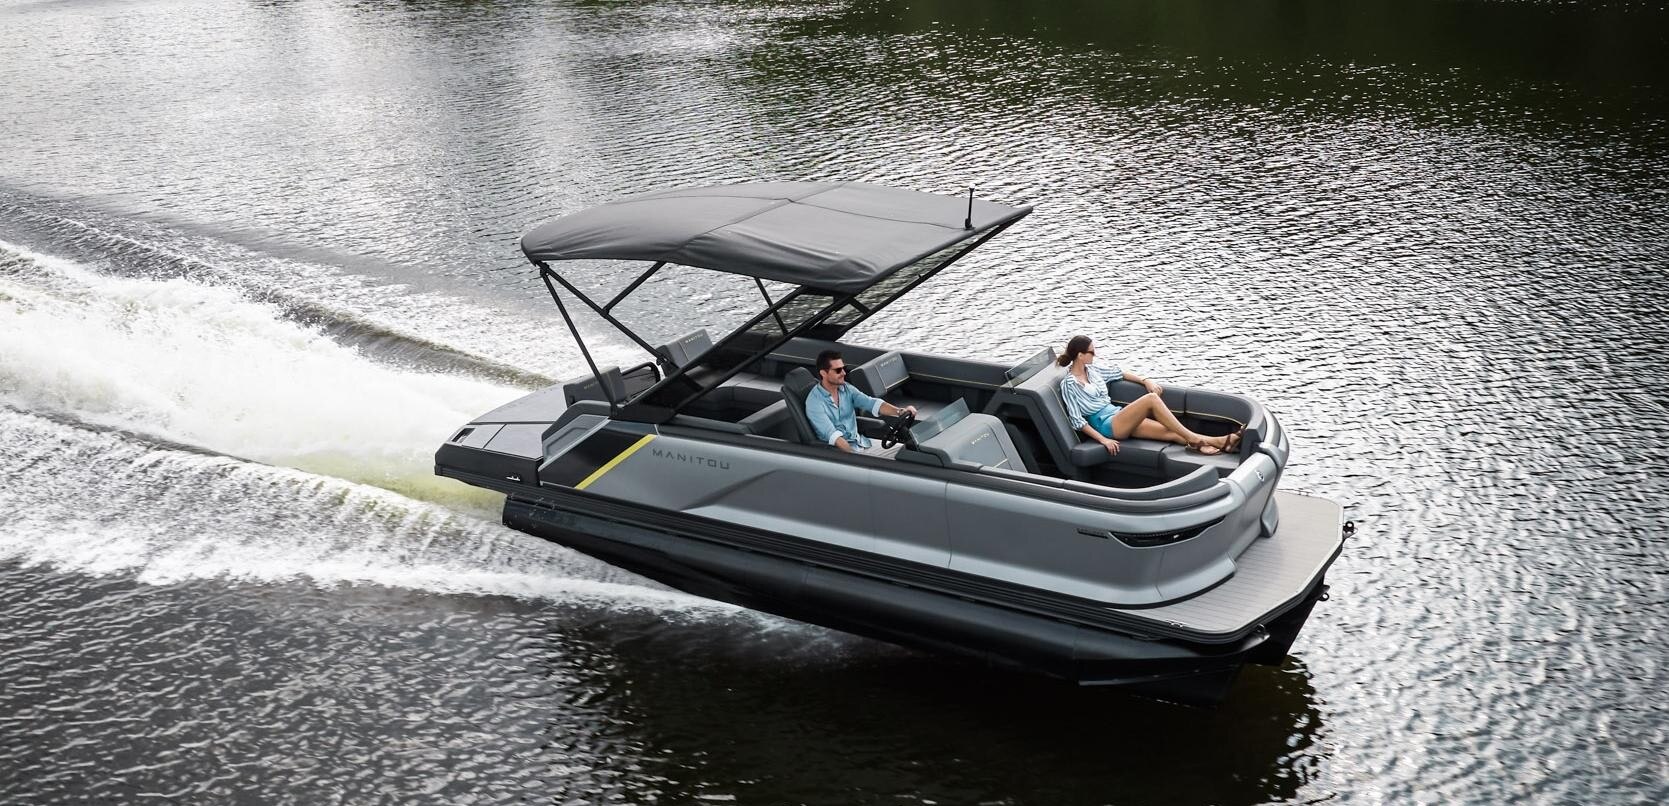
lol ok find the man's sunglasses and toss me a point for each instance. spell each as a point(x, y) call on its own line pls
point(836, 370)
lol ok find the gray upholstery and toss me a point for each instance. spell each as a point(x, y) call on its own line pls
point(795, 388)
point(1201, 478)
point(978, 440)
point(767, 419)
point(1043, 390)
point(748, 389)
point(881, 374)
point(587, 388)
point(687, 348)
point(1145, 453)
point(1177, 458)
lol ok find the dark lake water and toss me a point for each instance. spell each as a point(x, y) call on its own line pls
point(257, 259)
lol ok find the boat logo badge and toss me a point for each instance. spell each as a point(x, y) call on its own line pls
point(690, 458)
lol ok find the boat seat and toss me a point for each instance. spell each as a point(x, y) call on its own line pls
point(1177, 459)
point(794, 390)
point(882, 375)
point(766, 420)
point(748, 389)
point(1072, 450)
point(686, 348)
point(587, 388)
point(1202, 478)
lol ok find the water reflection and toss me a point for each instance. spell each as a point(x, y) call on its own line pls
point(1578, 58)
point(813, 717)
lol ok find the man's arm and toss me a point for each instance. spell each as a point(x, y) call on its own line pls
point(874, 405)
point(863, 402)
point(892, 411)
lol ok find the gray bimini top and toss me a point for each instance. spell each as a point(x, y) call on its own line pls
point(837, 236)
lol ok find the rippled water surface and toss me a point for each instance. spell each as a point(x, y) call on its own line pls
point(257, 259)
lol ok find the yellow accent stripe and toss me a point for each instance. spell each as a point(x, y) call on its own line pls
point(612, 462)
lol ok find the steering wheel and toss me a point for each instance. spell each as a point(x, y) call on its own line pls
point(898, 430)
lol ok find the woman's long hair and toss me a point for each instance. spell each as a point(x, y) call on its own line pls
point(1076, 345)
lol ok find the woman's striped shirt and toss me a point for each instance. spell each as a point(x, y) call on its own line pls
point(1081, 400)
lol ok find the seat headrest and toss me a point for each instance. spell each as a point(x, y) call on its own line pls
point(799, 382)
point(589, 389)
point(688, 347)
point(796, 387)
point(1047, 378)
point(881, 374)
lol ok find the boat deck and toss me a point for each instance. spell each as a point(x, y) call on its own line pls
point(1269, 576)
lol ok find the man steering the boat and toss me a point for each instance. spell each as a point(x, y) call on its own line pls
point(832, 406)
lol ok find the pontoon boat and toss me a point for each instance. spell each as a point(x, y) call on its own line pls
point(994, 532)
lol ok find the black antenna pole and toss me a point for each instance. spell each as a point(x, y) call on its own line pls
point(968, 223)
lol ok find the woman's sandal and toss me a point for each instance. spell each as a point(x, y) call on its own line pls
point(1204, 448)
point(1231, 444)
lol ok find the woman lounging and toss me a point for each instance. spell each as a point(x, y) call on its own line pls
point(1091, 408)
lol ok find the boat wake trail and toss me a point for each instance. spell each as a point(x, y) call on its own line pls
point(372, 311)
point(173, 429)
point(203, 366)
point(99, 502)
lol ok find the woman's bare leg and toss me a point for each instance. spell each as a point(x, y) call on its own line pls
point(1153, 429)
point(1129, 418)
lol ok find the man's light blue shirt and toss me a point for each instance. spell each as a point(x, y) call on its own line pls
point(830, 421)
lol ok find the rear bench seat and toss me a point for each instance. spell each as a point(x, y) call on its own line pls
point(1073, 453)
point(745, 388)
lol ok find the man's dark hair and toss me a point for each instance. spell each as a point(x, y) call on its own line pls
point(825, 358)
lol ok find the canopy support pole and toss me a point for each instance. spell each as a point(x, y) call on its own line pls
point(546, 275)
point(601, 311)
point(694, 389)
point(633, 287)
point(769, 304)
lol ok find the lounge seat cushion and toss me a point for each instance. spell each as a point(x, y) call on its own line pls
point(748, 388)
point(1139, 452)
point(1044, 389)
point(1177, 458)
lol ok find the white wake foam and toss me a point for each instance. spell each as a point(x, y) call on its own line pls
point(102, 503)
point(204, 366)
point(89, 361)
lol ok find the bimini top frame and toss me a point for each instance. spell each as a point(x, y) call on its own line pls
point(851, 249)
